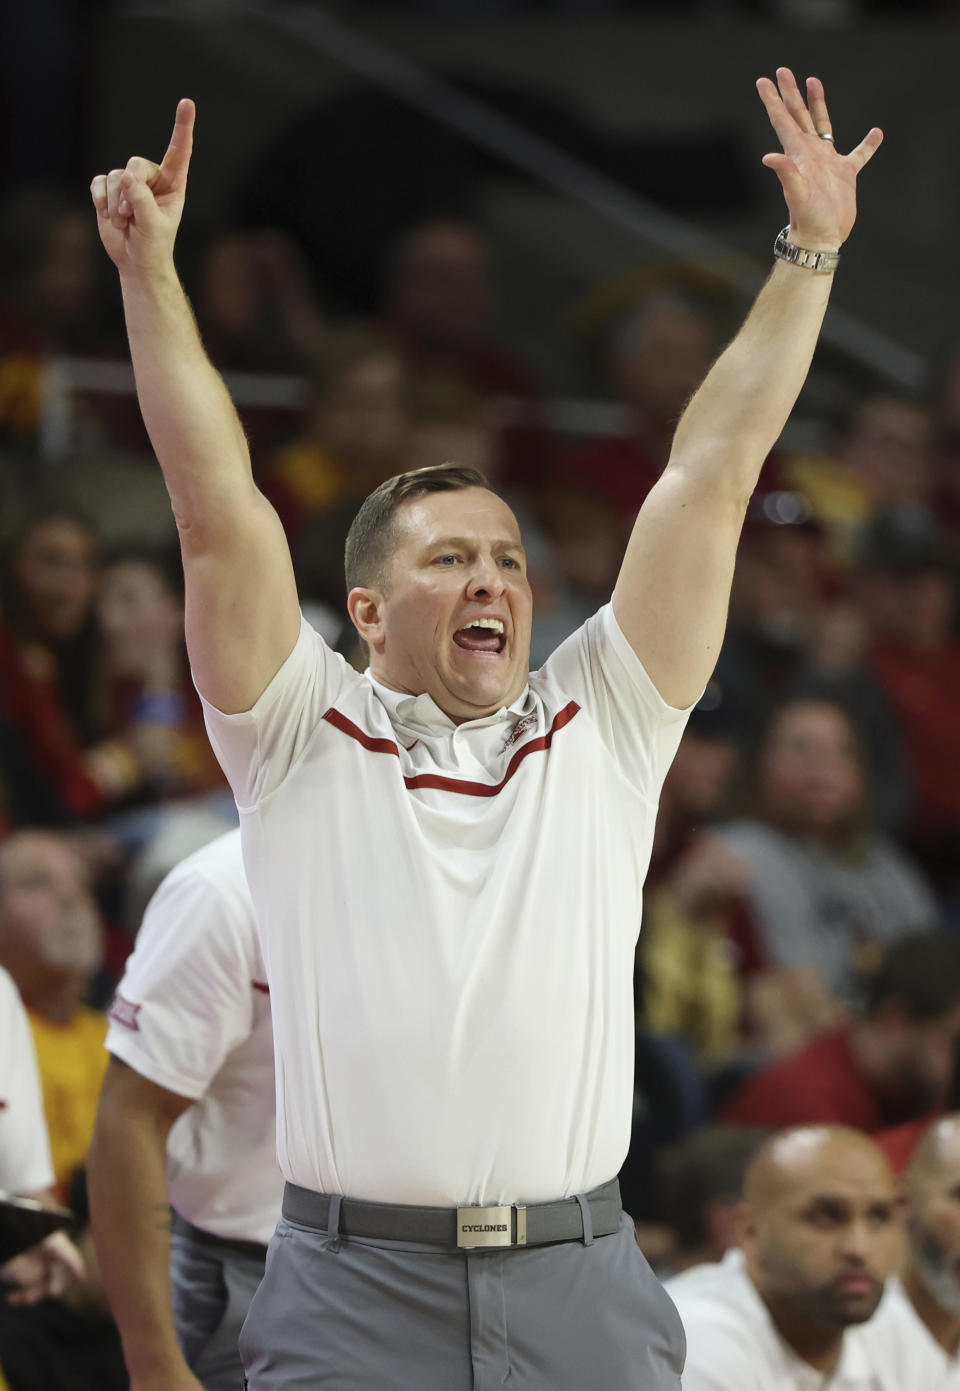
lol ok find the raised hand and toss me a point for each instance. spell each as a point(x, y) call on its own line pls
point(139, 207)
point(819, 183)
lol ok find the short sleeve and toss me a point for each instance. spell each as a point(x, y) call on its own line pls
point(257, 748)
point(597, 667)
point(25, 1164)
point(186, 997)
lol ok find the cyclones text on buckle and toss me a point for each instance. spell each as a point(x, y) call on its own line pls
point(491, 1226)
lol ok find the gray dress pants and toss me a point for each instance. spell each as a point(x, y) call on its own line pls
point(211, 1287)
point(361, 1315)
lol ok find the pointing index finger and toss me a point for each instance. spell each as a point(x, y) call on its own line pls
point(172, 174)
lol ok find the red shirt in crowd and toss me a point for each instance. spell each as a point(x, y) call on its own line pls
point(819, 1084)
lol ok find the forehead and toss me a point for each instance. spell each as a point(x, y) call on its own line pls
point(38, 855)
point(472, 513)
point(853, 1176)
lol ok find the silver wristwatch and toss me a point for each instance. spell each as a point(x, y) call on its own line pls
point(824, 261)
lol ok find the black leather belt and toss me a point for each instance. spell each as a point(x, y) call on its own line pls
point(463, 1228)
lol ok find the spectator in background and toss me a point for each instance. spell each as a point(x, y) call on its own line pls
point(356, 433)
point(825, 890)
point(51, 942)
point(688, 970)
point(884, 458)
point(657, 359)
point(53, 299)
point(48, 596)
point(889, 1064)
point(439, 302)
point(700, 1186)
point(818, 1235)
point(154, 719)
point(921, 1309)
point(44, 1271)
point(908, 593)
point(257, 311)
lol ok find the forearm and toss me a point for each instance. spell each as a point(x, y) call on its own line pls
point(188, 413)
point(131, 1227)
point(739, 412)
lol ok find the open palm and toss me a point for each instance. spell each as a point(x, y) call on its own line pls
point(819, 183)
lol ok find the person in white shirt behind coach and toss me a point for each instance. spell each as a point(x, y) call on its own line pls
point(454, 1027)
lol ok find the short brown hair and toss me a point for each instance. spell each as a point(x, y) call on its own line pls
point(372, 537)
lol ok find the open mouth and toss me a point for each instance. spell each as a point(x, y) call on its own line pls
point(483, 635)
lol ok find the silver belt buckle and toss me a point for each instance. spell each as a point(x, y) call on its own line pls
point(491, 1226)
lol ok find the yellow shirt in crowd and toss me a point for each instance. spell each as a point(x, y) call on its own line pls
point(72, 1060)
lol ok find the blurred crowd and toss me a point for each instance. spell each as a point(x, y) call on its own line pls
point(800, 954)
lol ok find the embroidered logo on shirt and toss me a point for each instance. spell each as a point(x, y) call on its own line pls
point(519, 730)
point(261, 985)
point(125, 1012)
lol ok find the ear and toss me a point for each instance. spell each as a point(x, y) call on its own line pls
point(365, 607)
point(744, 1225)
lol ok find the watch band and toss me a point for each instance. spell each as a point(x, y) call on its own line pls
point(823, 261)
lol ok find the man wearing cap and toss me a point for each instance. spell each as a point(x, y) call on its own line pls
point(446, 854)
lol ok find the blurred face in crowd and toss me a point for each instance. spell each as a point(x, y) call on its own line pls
point(49, 925)
point(920, 1054)
point(661, 357)
point(229, 298)
point(890, 445)
point(363, 419)
point(459, 562)
point(56, 571)
point(776, 585)
point(700, 775)
point(914, 607)
point(809, 775)
point(933, 1220)
point(139, 617)
point(63, 280)
point(820, 1227)
point(442, 289)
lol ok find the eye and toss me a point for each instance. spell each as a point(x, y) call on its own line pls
point(509, 562)
point(447, 559)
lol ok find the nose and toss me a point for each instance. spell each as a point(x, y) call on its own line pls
point(857, 1242)
point(485, 580)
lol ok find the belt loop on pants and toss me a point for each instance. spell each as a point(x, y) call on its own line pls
point(587, 1220)
point(333, 1223)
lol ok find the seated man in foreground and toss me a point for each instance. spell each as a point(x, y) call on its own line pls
point(787, 1310)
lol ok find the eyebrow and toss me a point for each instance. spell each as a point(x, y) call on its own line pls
point(501, 544)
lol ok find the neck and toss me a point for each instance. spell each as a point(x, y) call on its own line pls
point(943, 1326)
point(56, 999)
point(869, 1053)
point(814, 1344)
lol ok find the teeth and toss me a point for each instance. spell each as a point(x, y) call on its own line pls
point(494, 624)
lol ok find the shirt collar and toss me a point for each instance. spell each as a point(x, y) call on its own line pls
point(423, 712)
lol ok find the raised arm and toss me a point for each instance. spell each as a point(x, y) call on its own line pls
point(673, 590)
point(242, 614)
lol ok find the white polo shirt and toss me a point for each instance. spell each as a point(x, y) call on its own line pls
point(901, 1335)
point(192, 1014)
point(448, 915)
point(732, 1344)
point(25, 1165)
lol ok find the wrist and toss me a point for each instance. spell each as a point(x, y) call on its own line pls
point(814, 241)
point(819, 259)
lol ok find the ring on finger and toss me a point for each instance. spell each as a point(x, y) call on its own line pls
point(825, 135)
